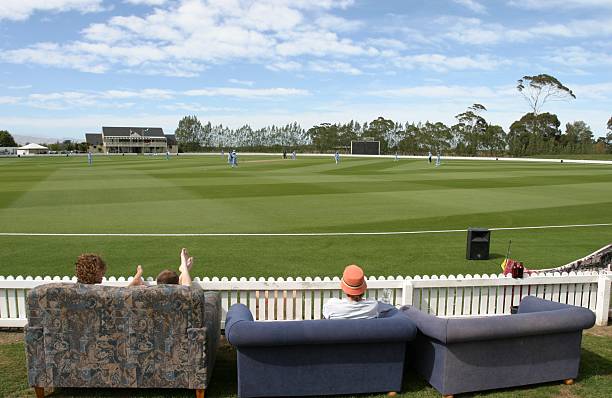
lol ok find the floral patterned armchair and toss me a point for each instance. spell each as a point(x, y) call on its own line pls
point(141, 337)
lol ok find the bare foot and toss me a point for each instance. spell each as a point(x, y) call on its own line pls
point(184, 256)
point(137, 277)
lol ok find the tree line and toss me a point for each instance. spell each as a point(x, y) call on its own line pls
point(535, 133)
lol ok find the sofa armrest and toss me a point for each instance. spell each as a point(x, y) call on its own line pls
point(35, 355)
point(429, 325)
point(236, 313)
point(199, 358)
point(242, 331)
point(212, 310)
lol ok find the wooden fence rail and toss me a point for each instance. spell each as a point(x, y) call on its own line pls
point(303, 298)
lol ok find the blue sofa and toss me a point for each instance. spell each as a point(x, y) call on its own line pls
point(318, 357)
point(541, 343)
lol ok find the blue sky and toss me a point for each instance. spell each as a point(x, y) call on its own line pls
point(71, 66)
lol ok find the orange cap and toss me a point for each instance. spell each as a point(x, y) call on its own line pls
point(353, 282)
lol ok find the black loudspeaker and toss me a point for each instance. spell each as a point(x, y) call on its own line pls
point(478, 242)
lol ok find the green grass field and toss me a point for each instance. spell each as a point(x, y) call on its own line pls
point(201, 194)
point(594, 380)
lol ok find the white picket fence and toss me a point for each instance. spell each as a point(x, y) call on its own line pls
point(303, 298)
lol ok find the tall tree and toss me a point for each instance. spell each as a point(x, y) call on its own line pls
point(534, 134)
point(470, 130)
point(581, 137)
point(324, 136)
point(189, 134)
point(380, 129)
point(437, 136)
point(537, 90)
point(494, 140)
point(609, 136)
point(6, 139)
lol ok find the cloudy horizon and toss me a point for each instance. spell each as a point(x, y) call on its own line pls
point(72, 66)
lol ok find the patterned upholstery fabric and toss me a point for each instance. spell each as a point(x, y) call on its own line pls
point(101, 336)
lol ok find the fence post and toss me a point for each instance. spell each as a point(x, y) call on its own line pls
point(603, 299)
point(407, 290)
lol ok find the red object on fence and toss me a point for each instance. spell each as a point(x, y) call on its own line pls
point(515, 268)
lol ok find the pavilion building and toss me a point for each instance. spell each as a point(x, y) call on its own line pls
point(32, 149)
point(131, 140)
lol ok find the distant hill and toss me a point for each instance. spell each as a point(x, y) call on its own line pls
point(26, 139)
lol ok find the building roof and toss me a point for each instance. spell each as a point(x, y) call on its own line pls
point(93, 138)
point(32, 146)
point(128, 131)
point(171, 139)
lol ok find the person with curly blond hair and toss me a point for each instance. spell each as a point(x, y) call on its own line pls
point(90, 269)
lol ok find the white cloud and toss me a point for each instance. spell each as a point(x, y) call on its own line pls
point(443, 63)
point(439, 91)
point(242, 82)
point(338, 24)
point(598, 92)
point(19, 10)
point(566, 4)
point(183, 38)
point(146, 2)
point(320, 43)
point(268, 93)
point(387, 43)
point(128, 98)
point(195, 107)
point(285, 66)
point(472, 5)
point(576, 56)
point(23, 87)
point(6, 100)
point(52, 54)
point(148, 94)
point(473, 31)
point(334, 67)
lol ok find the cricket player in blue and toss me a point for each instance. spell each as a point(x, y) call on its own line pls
point(234, 159)
point(337, 157)
point(89, 158)
point(293, 155)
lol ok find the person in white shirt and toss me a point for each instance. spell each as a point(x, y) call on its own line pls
point(353, 306)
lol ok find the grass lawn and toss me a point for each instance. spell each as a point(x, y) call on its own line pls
point(591, 156)
point(201, 194)
point(594, 381)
